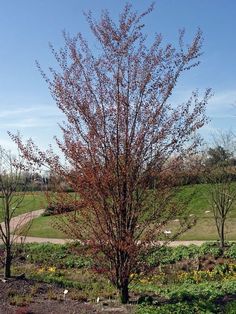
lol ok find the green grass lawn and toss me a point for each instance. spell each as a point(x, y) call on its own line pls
point(31, 202)
point(204, 229)
point(43, 227)
point(199, 196)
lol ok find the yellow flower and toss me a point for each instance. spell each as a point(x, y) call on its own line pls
point(52, 269)
point(132, 276)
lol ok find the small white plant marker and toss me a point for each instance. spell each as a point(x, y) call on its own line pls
point(65, 293)
point(167, 232)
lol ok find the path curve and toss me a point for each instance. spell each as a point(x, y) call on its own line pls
point(22, 219)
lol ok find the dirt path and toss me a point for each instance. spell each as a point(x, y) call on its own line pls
point(22, 219)
point(177, 243)
point(63, 241)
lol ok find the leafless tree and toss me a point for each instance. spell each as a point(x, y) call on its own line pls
point(220, 175)
point(13, 186)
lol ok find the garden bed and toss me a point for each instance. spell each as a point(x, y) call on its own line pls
point(179, 280)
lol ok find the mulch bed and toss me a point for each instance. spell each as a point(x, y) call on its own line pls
point(34, 298)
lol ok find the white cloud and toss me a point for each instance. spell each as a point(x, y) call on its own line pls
point(29, 117)
point(221, 109)
point(19, 111)
point(223, 98)
point(221, 105)
point(21, 124)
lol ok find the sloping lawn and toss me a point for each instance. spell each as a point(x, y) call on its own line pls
point(31, 202)
point(199, 206)
point(43, 227)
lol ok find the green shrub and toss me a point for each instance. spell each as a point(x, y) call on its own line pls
point(185, 252)
point(58, 208)
point(171, 255)
point(64, 256)
point(210, 248)
point(208, 291)
point(191, 292)
point(230, 252)
point(145, 299)
point(159, 255)
point(180, 308)
point(230, 308)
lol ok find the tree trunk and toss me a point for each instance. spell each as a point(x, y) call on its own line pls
point(124, 292)
point(222, 235)
point(7, 267)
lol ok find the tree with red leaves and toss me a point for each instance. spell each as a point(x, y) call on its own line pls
point(123, 140)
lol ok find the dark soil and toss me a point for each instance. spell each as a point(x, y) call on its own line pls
point(23, 296)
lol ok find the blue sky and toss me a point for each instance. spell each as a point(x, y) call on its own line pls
point(27, 26)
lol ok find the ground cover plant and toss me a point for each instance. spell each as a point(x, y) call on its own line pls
point(176, 279)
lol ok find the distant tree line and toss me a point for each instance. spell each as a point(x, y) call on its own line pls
point(197, 171)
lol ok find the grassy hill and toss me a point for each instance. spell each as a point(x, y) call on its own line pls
point(199, 206)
